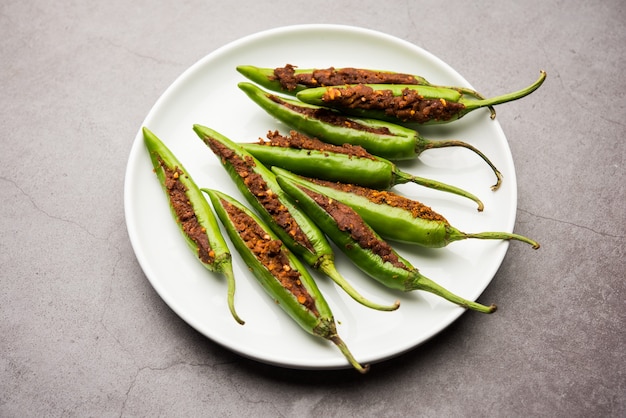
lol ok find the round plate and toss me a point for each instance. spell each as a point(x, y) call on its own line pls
point(207, 94)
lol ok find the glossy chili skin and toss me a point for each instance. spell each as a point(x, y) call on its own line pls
point(307, 78)
point(312, 244)
point(389, 222)
point(318, 244)
point(421, 226)
point(443, 104)
point(163, 159)
point(314, 316)
point(447, 104)
point(316, 320)
point(384, 139)
point(267, 77)
point(370, 254)
point(372, 172)
point(310, 157)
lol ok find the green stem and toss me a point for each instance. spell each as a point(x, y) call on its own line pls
point(500, 235)
point(344, 349)
point(456, 143)
point(475, 104)
point(423, 283)
point(328, 267)
point(226, 268)
point(475, 94)
point(402, 177)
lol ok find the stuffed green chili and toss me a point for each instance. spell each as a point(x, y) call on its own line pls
point(383, 139)
point(396, 217)
point(365, 247)
point(406, 103)
point(192, 214)
point(258, 184)
point(291, 79)
point(347, 163)
point(279, 272)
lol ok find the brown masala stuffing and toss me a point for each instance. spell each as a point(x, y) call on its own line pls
point(297, 140)
point(349, 221)
point(410, 107)
point(185, 213)
point(289, 80)
point(417, 209)
point(331, 117)
point(270, 253)
point(258, 187)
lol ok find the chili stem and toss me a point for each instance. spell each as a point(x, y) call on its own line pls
point(227, 270)
point(475, 104)
point(424, 283)
point(456, 143)
point(501, 235)
point(465, 90)
point(344, 349)
point(475, 94)
point(328, 267)
point(402, 177)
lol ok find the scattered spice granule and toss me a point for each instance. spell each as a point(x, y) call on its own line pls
point(185, 214)
point(297, 140)
point(289, 79)
point(258, 187)
point(417, 209)
point(409, 107)
point(331, 117)
point(348, 220)
point(270, 253)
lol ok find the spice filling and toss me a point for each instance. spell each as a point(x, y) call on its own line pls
point(270, 253)
point(330, 117)
point(258, 187)
point(289, 79)
point(409, 107)
point(185, 214)
point(383, 197)
point(349, 221)
point(297, 140)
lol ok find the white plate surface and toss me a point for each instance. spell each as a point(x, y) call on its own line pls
point(207, 94)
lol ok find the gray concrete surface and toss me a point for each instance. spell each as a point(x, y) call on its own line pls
point(84, 333)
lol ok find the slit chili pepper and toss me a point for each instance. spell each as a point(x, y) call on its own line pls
point(258, 185)
point(381, 138)
point(396, 217)
point(365, 247)
point(192, 214)
point(347, 163)
point(279, 272)
point(406, 103)
point(291, 79)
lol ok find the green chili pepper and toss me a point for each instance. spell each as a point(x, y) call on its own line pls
point(290, 79)
point(278, 271)
point(381, 138)
point(365, 247)
point(405, 103)
point(258, 185)
point(396, 217)
point(347, 163)
point(192, 213)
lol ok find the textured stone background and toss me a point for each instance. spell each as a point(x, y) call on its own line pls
point(84, 333)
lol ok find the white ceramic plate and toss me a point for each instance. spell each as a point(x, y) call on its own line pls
point(207, 94)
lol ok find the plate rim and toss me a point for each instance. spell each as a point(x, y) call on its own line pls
point(136, 148)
